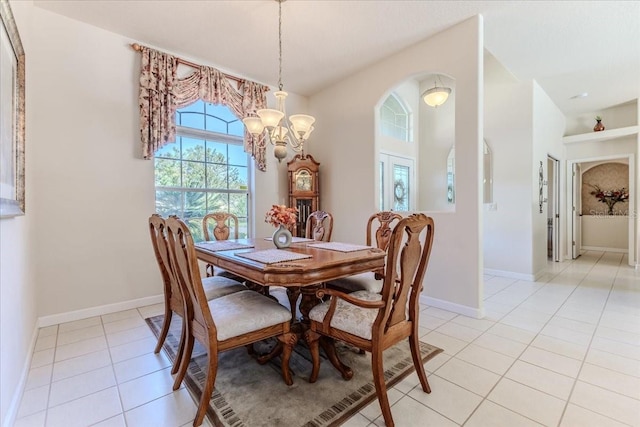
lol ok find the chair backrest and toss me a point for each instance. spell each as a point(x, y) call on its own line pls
point(221, 229)
point(172, 292)
point(187, 272)
point(407, 259)
point(319, 226)
point(385, 221)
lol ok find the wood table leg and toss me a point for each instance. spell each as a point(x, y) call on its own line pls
point(293, 293)
point(329, 347)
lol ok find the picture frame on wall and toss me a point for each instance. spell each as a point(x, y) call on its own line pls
point(12, 116)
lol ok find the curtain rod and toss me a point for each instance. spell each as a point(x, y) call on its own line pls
point(138, 48)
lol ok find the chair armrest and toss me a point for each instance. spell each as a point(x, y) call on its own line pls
point(355, 301)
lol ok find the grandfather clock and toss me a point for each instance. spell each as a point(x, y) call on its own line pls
point(304, 189)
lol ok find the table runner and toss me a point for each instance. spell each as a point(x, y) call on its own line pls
point(272, 256)
point(340, 247)
point(222, 245)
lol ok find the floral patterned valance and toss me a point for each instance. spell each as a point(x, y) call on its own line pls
point(162, 93)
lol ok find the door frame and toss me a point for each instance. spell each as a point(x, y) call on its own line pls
point(386, 157)
point(554, 205)
point(632, 235)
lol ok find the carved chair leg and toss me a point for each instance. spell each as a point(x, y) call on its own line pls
point(288, 341)
point(414, 344)
point(381, 388)
point(165, 327)
point(184, 362)
point(312, 340)
point(329, 347)
point(207, 389)
point(180, 353)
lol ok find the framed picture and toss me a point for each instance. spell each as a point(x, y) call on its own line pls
point(12, 130)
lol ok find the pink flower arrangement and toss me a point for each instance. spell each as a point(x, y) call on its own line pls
point(280, 214)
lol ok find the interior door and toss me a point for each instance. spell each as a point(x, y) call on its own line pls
point(553, 180)
point(576, 178)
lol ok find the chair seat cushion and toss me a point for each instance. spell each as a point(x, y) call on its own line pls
point(358, 282)
point(348, 317)
point(246, 311)
point(216, 287)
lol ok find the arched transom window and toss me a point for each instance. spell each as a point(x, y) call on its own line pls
point(394, 119)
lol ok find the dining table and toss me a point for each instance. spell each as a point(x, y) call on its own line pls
point(301, 268)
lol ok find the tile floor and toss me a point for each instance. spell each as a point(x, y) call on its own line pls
point(563, 351)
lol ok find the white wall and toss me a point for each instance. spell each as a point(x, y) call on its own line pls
point(600, 232)
point(18, 310)
point(548, 129)
point(347, 153)
point(508, 131)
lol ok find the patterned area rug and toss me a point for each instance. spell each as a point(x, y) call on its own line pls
point(251, 395)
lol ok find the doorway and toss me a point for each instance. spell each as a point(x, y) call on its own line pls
point(601, 221)
point(397, 183)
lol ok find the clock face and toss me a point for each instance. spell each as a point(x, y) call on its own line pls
point(303, 181)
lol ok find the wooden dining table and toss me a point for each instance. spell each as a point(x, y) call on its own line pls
point(301, 276)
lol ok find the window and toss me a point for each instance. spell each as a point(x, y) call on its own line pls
point(394, 118)
point(206, 170)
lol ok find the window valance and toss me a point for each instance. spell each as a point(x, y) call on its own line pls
point(162, 93)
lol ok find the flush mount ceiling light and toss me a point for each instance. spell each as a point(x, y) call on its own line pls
point(437, 95)
point(280, 129)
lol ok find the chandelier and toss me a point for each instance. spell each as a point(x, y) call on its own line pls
point(280, 130)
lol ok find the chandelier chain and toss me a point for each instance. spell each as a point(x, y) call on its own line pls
point(280, 44)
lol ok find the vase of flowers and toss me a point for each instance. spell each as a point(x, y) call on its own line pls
point(610, 197)
point(283, 218)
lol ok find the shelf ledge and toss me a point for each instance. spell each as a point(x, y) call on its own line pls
point(601, 136)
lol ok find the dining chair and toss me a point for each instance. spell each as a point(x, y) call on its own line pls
point(219, 231)
point(319, 226)
point(213, 287)
point(376, 321)
point(384, 222)
point(232, 321)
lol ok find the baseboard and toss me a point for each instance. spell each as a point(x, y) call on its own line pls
point(477, 313)
point(12, 411)
point(71, 316)
point(602, 249)
point(513, 274)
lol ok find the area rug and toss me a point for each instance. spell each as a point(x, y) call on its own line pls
point(251, 395)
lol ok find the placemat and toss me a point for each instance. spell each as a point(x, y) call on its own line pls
point(340, 247)
point(222, 245)
point(272, 256)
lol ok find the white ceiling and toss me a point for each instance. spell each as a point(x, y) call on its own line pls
point(568, 47)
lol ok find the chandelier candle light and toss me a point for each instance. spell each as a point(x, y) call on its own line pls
point(281, 130)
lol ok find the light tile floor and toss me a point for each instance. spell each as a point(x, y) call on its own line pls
point(563, 351)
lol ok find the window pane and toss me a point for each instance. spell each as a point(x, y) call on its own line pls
point(237, 156)
point(192, 120)
point(217, 202)
point(217, 176)
point(216, 152)
point(169, 203)
point(167, 173)
point(238, 204)
point(221, 111)
point(196, 107)
point(400, 188)
point(170, 150)
point(193, 149)
point(195, 227)
point(236, 128)
point(193, 175)
point(195, 204)
point(238, 178)
point(214, 124)
point(243, 228)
